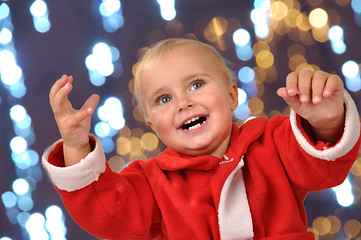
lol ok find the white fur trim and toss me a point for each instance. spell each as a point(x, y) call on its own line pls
point(349, 138)
point(234, 215)
point(79, 175)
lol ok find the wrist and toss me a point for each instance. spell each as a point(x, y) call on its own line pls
point(74, 154)
point(328, 130)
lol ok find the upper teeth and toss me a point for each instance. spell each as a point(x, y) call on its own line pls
point(192, 120)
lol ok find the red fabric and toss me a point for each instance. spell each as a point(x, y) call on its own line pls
point(176, 196)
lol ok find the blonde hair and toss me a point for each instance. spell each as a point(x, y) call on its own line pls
point(159, 49)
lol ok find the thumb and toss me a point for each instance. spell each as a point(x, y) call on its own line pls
point(91, 102)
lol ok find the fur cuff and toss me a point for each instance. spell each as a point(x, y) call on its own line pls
point(77, 176)
point(349, 138)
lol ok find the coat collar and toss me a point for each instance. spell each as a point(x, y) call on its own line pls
point(241, 138)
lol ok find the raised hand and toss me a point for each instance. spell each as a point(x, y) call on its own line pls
point(317, 97)
point(74, 125)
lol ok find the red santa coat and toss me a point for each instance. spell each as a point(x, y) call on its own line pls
point(255, 192)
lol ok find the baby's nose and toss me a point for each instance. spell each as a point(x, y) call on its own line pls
point(184, 103)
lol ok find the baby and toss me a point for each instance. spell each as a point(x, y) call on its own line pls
point(215, 180)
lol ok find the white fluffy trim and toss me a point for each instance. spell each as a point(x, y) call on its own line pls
point(349, 138)
point(79, 175)
point(234, 215)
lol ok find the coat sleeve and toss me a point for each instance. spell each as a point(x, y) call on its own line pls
point(314, 166)
point(106, 204)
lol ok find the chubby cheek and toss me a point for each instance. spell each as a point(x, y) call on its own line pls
point(159, 124)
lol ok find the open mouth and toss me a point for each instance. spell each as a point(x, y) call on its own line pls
point(194, 123)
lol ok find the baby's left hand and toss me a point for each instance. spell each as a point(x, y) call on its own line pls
point(317, 97)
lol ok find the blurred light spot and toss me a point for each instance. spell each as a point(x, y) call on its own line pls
point(335, 33)
point(109, 7)
point(353, 84)
point(5, 36)
point(256, 106)
point(20, 186)
point(114, 53)
point(42, 24)
point(344, 193)
point(17, 113)
point(100, 63)
point(22, 218)
point(335, 224)
point(262, 31)
point(9, 199)
point(5, 238)
point(35, 227)
point(39, 11)
point(242, 96)
point(263, 4)
point(116, 163)
point(265, 59)
point(278, 10)
point(338, 47)
point(302, 22)
point(320, 34)
point(54, 212)
point(10, 74)
point(38, 8)
point(18, 90)
point(356, 5)
point(350, 69)
point(291, 18)
point(321, 225)
point(18, 144)
point(4, 11)
point(167, 9)
point(136, 146)
point(112, 113)
point(108, 144)
point(218, 26)
point(252, 90)
point(149, 141)
point(123, 146)
point(25, 203)
point(96, 78)
point(246, 74)
point(241, 37)
point(244, 53)
point(352, 228)
point(24, 123)
point(259, 17)
point(318, 17)
point(102, 129)
point(242, 112)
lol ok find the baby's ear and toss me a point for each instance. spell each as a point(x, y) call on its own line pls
point(233, 96)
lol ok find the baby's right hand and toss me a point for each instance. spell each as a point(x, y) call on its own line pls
point(74, 125)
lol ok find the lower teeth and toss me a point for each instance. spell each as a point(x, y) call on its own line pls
point(194, 127)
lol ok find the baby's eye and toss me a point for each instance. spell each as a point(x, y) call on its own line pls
point(164, 99)
point(196, 84)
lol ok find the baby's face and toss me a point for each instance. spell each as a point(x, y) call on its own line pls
point(189, 101)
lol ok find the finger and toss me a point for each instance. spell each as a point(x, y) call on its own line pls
point(57, 86)
point(304, 85)
point(80, 115)
point(291, 83)
point(62, 95)
point(333, 84)
point(318, 84)
point(292, 101)
point(91, 103)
